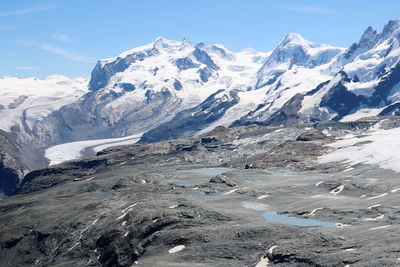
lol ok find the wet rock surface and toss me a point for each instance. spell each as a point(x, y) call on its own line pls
point(195, 203)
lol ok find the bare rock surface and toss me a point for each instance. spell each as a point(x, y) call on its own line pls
point(193, 202)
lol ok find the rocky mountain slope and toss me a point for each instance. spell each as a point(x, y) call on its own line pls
point(244, 196)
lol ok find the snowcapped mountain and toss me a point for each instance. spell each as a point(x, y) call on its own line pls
point(173, 89)
point(23, 102)
point(368, 83)
point(294, 67)
point(150, 85)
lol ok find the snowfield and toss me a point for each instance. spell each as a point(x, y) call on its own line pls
point(380, 147)
point(25, 101)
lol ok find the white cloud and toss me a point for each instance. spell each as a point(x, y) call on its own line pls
point(55, 50)
point(8, 54)
point(63, 38)
point(27, 11)
point(25, 68)
point(5, 27)
point(307, 9)
point(63, 52)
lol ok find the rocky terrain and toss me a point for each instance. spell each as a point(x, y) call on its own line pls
point(243, 196)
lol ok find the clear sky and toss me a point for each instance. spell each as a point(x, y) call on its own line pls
point(40, 38)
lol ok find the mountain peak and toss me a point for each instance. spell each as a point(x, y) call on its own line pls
point(369, 35)
point(160, 43)
point(185, 40)
point(294, 49)
point(294, 37)
point(391, 27)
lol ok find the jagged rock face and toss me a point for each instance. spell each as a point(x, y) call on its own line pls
point(369, 79)
point(189, 122)
point(288, 114)
point(341, 100)
point(11, 170)
point(10, 174)
point(102, 73)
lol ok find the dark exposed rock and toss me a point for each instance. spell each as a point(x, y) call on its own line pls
point(17, 102)
point(339, 99)
point(223, 179)
point(15, 158)
point(101, 74)
point(185, 63)
point(188, 122)
point(177, 85)
point(313, 136)
point(203, 57)
point(57, 174)
point(288, 114)
point(127, 87)
point(386, 84)
point(319, 87)
point(290, 154)
point(205, 74)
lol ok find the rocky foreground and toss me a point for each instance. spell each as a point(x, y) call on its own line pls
point(245, 196)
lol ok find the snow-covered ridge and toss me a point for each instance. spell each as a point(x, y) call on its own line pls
point(184, 71)
point(187, 89)
point(25, 101)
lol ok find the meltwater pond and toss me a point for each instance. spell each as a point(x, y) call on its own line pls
point(209, 171)
point(273, 217)
point(187, 184)
point(279, 173)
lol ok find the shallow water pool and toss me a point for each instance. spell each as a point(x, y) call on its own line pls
point(273, 217)
point(188, 184)
point(209, 171)
point(279, 173)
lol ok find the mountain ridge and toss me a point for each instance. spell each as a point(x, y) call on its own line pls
point(175, 89)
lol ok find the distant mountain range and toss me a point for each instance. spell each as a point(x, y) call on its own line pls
point(170, 89)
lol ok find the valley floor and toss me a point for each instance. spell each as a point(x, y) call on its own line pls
point(246, 196)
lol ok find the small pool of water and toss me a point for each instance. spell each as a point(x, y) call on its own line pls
point(188, 184)
point(209, 171)
point(273, 217)
point(164, 187)
point(279, 173)
point(208, 195)
point(101, 196)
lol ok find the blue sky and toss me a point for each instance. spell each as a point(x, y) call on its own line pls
point(40, 38)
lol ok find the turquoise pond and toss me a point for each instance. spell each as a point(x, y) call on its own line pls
point(273, 217)
point(188, 184)
point(101, 196)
